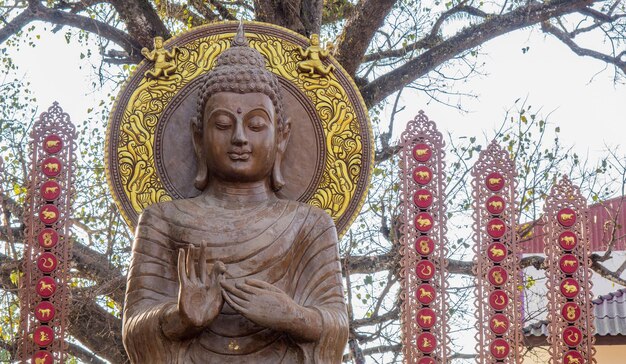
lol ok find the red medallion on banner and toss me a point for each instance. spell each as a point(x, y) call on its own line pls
point(499, 323)
point(47, 238)
point(569, 287)
point(43, 357)
point(568, 263)
point(497, 252)
point(568, 240)
point(425, 269)
point(424, 245)
point(495, 205)
point(47, 262)
point(499, 348)
point(51, 167)
point(496, 228)
point(44, 311)
point(571, 311)
point(498, 300)
point(422, 152)
point(49, 214)
point(425, 293)
point(43, 335)
point(423, 198)
point(50, 190)
point(497, 276)
point(494, 181)
point(572, 336)
point(566, 217)
point(426, 342)
point(52, 144)
point(423, 222)
point(426, 318)
point(422, 175)
point(46, 287)
point(573, 357)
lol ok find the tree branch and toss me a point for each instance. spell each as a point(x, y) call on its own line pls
point(466, 39)
point(357, 34)
point(568, 41)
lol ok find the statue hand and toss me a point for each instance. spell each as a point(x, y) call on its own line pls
point(200, 295)
point(264, 304)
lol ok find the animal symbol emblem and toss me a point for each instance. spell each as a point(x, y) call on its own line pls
point(423, 222)
point(47, 239)
point(496, 204)
point(571, 359)
point(495, 181)
point(569, 289)
point(421, 152)
point(422, 175)
point(44, 312)
point(500, 349)
point(497, 227)
point(42, 360)
point(43, 336)
point(164, 65)
point(52, 167)
point(425, 294)
point(51, 189)
point(47, 262)
point(500, 300)
point(568, 240)
point(496, 252)
point(43, 286)
point(424, 248)
point(573, 337)
point(566, 217)
point(425, 269)
point(426, 343)
point(497, 277)
point(571, 313)
point(49, 215)
point(426, 319)
point(499, 324)
point(569, 263)
point(423, 197)
point(52, 144)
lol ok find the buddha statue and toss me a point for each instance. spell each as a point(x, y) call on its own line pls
point(236, 274)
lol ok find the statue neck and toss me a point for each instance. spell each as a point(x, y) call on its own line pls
point(235, 194)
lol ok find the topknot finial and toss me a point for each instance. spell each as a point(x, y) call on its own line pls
point(240, 38)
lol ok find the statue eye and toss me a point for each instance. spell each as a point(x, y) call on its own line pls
point(223, 122)
point(257, 123)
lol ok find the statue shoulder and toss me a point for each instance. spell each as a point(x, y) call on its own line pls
point(162, 210)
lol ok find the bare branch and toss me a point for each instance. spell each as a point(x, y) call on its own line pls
point(466, 39)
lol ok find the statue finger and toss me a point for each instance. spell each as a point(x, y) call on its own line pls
point(235, 291)
point(234, 304)
point(261, 284)
point(191, 267)
point(202, 267)
point(247, 288)
point(182, 269)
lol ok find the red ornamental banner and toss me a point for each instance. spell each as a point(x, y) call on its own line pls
point(44, 291)
point(423, 244)
point(496, 262)
point(570, 310)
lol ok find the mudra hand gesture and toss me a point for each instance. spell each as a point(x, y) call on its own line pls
point(200, 295)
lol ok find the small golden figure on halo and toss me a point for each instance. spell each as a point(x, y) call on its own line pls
point(313, 55)
point(159, 55)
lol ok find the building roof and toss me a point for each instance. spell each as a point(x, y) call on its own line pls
point(609, 323)
point(603, 217)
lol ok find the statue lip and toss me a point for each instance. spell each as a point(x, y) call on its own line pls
point(243, 156)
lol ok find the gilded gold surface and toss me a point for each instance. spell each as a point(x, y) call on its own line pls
point(344, 152)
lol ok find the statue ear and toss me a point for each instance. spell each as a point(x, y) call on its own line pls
point(202, 171)
point(282, 140)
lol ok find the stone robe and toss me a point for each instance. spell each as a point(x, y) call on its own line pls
point(286, 243)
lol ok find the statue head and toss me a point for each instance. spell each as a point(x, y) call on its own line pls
point(158, 42)
point(240, 132)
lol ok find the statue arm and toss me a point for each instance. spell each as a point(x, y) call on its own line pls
point(150, 55)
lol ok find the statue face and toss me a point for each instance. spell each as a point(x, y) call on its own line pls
point(239, 136)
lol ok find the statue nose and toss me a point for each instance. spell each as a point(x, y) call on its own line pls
point(239, 135)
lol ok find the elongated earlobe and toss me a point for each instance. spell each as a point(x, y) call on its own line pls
point(202, 170)
point(283, 138)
